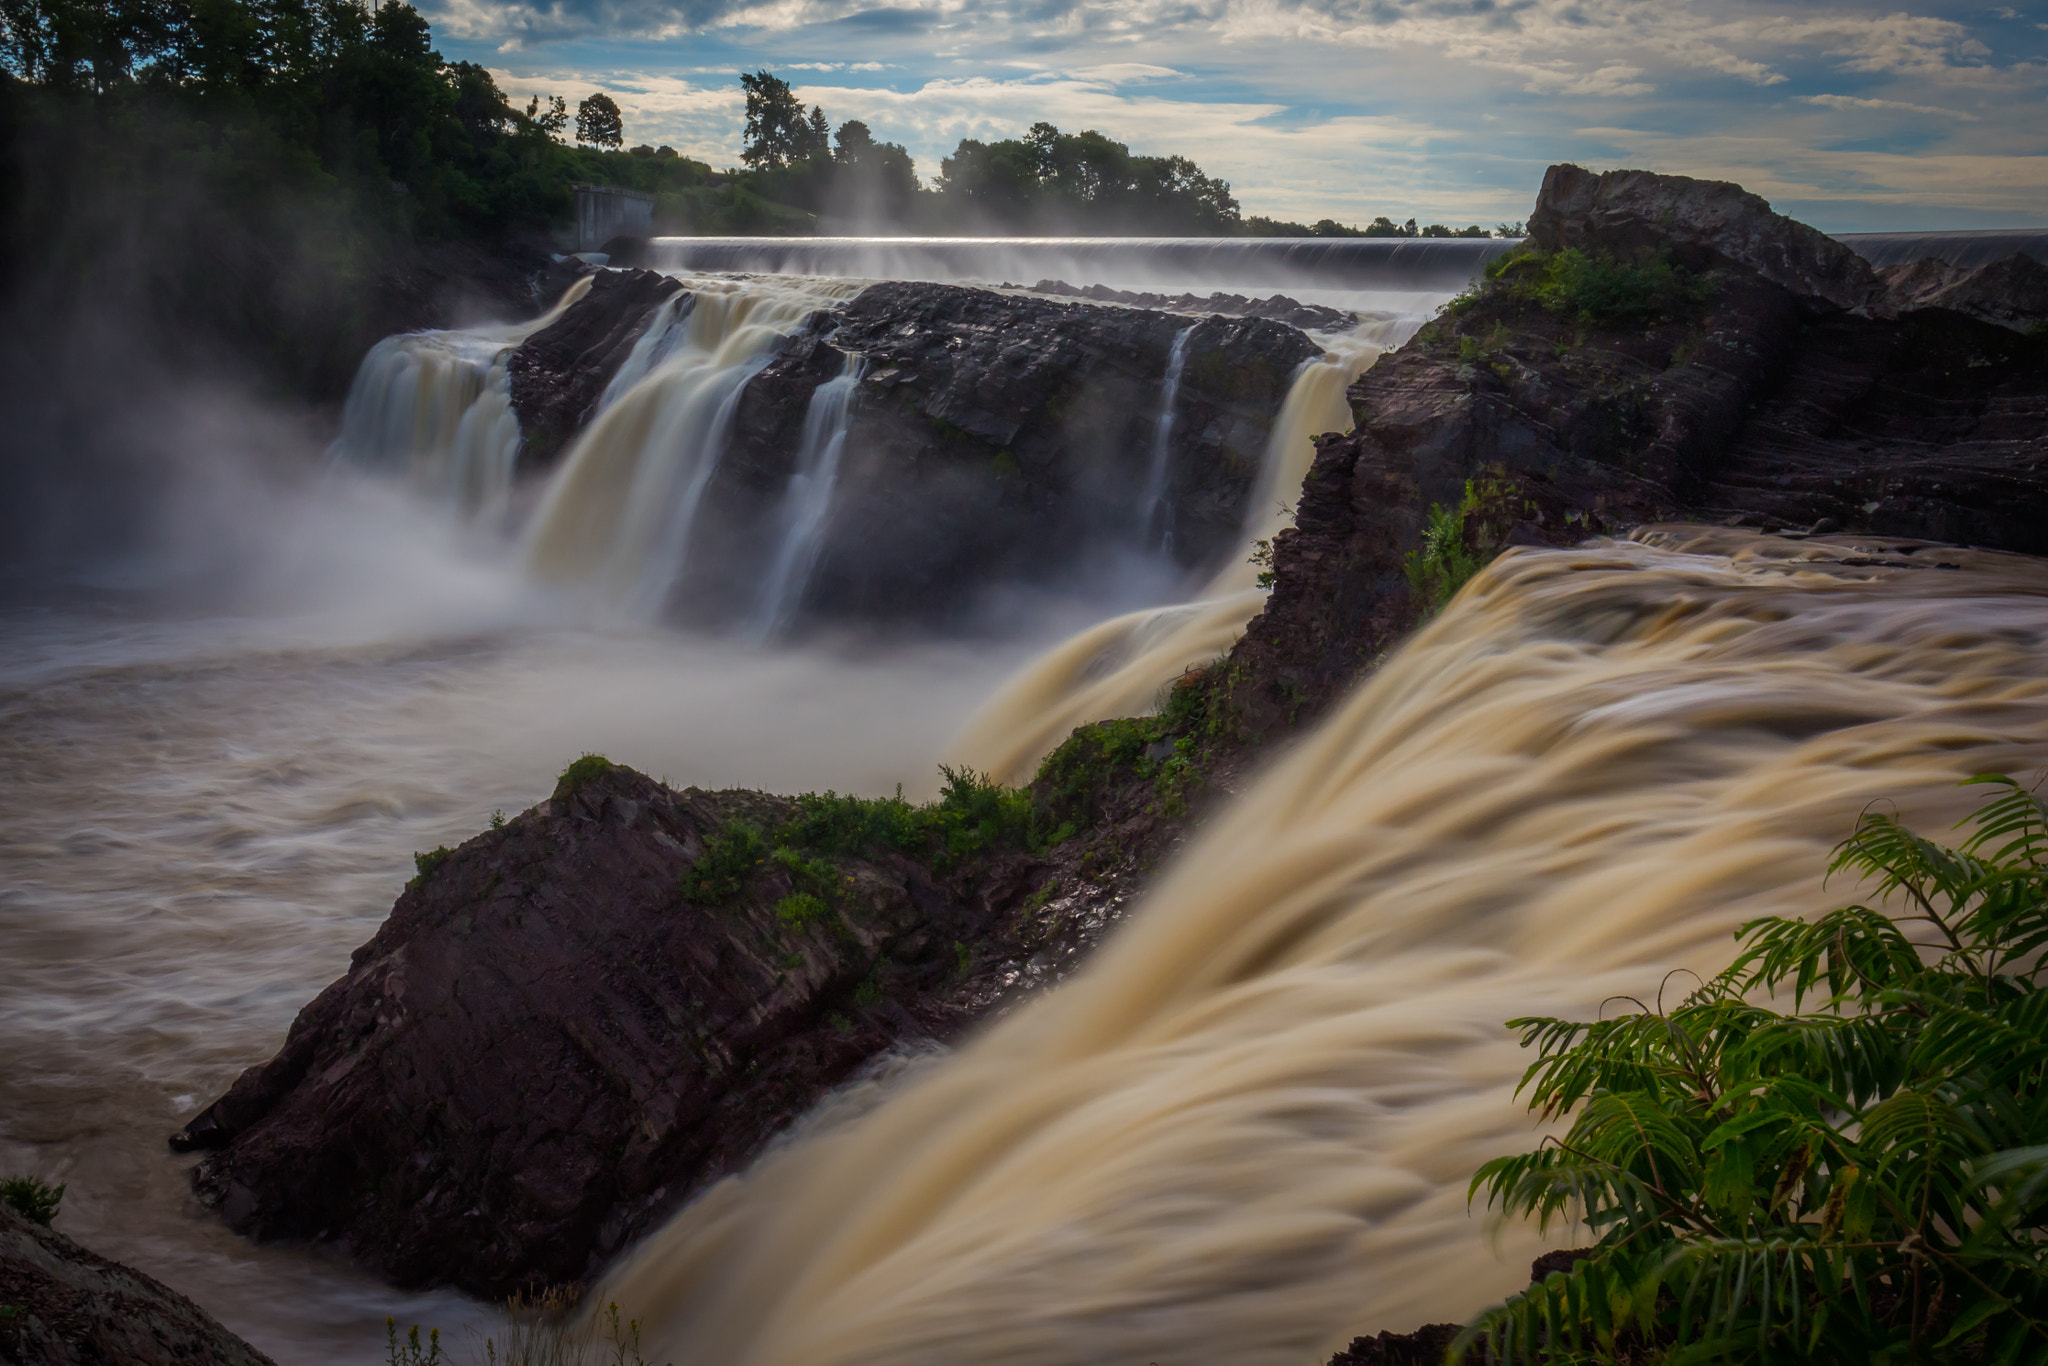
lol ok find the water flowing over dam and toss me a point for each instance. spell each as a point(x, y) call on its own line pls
point(1244, 1131)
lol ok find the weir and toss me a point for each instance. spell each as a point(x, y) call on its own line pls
point(1244, 1130)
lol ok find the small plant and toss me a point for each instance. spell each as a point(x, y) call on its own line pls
point(1601, 287)
point(727, 862)
point(423, 865)
point(1444, 564)
point(498, 819)
point(407, 1351)
point(1864, 1182)
point(31, 1197)
point(1262, 559)
point(581, 774)
point(801, 908)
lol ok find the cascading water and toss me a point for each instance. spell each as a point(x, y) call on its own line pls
point(1244, 1130)
point(1158, 513)
point(808, 501)
point(616, 518)
point(438, 407)
point(1116, 667)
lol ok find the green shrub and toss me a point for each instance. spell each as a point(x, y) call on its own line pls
point(727, 862)
point(1865, 1182)
point(1600, 287)
point(1444, 564)
point(31, 1197)
point(423, 865)
point(801, 908)
point(581, 774)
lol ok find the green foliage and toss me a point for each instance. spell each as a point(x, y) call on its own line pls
point(31, 1197)
point(727, 863)
point(972, 817)
point(1865, 1182)
point(543, 1329)
point(1262, 560)
point(423, 865)
point(1601, 288)
point(407, 1350)
point(801, 908)
point(498, 819)
point(1098, 762)
point(1050, 179)
point(581, 774)
point(1444, 564)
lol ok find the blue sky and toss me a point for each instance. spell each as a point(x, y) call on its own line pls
point(1850, 116)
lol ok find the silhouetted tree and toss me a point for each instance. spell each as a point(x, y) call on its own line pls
point(777, 132)
point(598, 122)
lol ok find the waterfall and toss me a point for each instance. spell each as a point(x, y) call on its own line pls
point(437, 407)
point(1243, 1131)
point(616, 517)
point(808, 500)
point(1117, 667)
point(1157, 528)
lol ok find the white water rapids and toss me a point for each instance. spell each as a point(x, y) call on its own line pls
point(1239, 1135)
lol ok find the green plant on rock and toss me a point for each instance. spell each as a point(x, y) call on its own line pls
point(31, 1197)
point(424, 865)
point(1601, 288)
point(1261, 559)
point(801, 908)
point(1444, 563)
point(581, 774)
point(727, 862)
point(1864, 1182)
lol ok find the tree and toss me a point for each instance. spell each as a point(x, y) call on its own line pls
point(777, 132)
point(855, 141)
point(554, 120)
point(817, 136)
point(598, 122)
point(1866, 1182)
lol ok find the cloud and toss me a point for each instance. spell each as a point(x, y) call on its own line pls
point(1440, 108)
point(1853, 102)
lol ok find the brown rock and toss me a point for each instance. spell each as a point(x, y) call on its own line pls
point(560, 372)
point(66, 1306)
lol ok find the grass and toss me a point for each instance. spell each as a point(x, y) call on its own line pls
point(424, 865)
point(1599, 287)
point(31, 1197)
point(581, 774)
point(540, 1330)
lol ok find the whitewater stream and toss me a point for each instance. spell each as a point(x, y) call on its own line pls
point(1239, 1135)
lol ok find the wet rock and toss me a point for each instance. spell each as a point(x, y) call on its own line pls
point(1277, 307)
point(993, 439)
point(1702, 223)
point(554, 1040)
point(1783, 400)
point(66, 1306)
point(560, 372)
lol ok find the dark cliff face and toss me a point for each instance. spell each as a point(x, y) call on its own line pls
point(1785, 388)
point(992, 440)
point(558, 374)
point(554, 1039)
point(67, 1306)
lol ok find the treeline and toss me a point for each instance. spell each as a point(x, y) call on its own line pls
point(1046, 181)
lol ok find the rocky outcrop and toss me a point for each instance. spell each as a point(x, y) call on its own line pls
point(573, 1022)
point(993, 439)
point(1277, 307)
point(1775, 393)
point(558, 374)
point(2012, 292)
point(1703, 223)
point(61, 1305)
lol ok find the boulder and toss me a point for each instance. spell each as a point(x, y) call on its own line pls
point(1702, 223)
point(558, 374)
point(65, 1306)
point(558, 1036)
point(2012, 292)
point(992, 439)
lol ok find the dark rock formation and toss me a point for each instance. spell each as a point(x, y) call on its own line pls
point(560, 372)
point(1429, 1344)
point(549, 1044)
point(991, 439)
point(1782, 400)
point(1278, 307)
point(1702, 223)
point(2012, 292)
point(65, 1306)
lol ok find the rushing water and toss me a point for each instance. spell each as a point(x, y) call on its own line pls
point(204, 808)
point(1244, 1131)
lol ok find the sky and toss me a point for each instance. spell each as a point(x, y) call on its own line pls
point(1851, 116)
